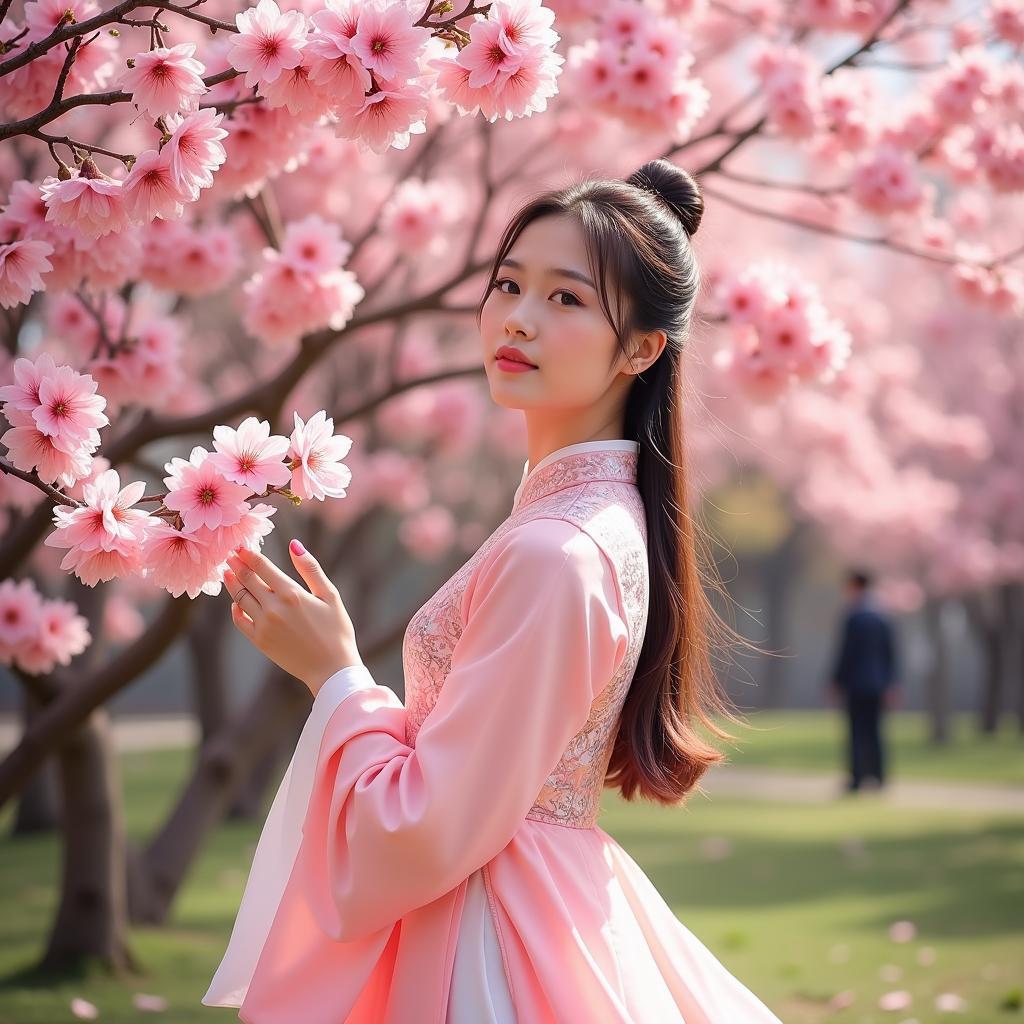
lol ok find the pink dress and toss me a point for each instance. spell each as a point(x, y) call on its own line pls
point(440, 862)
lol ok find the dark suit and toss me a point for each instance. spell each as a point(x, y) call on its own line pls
point(865, 667)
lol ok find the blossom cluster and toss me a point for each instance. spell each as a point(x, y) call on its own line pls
point(205, 514)
point(302, 287)
point(38, 633)
point(783, 332)
point(998, 289)
point(159, 183)
point(368, 68)
point(636, 68)
point(79, 224)
point(55, 416)
point(960, 112)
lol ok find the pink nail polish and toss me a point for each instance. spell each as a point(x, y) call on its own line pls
point(298, 548)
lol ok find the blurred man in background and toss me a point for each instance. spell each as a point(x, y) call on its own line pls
point(864, 679)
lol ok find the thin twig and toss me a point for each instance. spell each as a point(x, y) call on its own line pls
point(848, 236)
point(57, 497)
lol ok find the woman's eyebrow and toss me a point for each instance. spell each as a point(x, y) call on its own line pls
point(563, 271)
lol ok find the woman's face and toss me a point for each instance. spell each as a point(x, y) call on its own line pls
point(545, 303)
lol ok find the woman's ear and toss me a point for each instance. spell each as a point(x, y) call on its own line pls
point(646, 350)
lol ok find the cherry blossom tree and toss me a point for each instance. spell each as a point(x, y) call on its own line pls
point(238, 241)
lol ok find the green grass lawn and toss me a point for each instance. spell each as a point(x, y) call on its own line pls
point(796, 900)
point(815, 741)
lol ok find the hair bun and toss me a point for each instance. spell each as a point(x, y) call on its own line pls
point(675, 187)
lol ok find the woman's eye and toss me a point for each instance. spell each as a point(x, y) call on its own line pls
point(561, 291)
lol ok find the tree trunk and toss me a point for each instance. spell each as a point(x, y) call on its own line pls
point(990, 615)
point(1017, 642)
point(937, 677)
point(207, 645)
point(206, 648)
point(92, 921)
point(777, 576)
point(224, 764)
point(38, 807)
point(248, 802)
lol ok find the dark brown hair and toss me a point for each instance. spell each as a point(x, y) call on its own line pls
point(638, 241)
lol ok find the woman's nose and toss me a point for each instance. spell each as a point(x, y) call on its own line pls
point(519, 321)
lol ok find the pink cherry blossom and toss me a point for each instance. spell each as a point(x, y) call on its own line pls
point(88, 202)
point(99, 566)
point(194, 148)
point(744, 299)
point(428, 533)
point(962, 89)
point(122, 621)
point(106, 522)
point(386, 119)
point(62, 634)
point(484, 57)
point(250, 455)
point(165, 80)
point(387, 42)
point(320, 472)
point(96, 63)
point(177, 561)
point(268, 42)
point(30, 449)
point(1007, 20)
point(43, 16)
point(452, 83)
point(151, 190)
point(284, 302)
point(313, 246)
point(22, 264)
point(69, 409)
point(525, 90)
point(339, 18)
point(398, 480)
point(597, 69)
point(417, 214)
point(524, 24)
point(248, 532)
point(622, 21)
point(332, 62)
point(201, 494)
point(25, 212)
point(785, 336)
point(1000, 152)
point(20, 606)
point(887, 182)
point(644, 79)
point(296, 90)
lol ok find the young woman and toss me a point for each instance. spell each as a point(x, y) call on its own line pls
point(440, 862)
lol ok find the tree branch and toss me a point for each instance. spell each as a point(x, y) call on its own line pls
point(57, 497)
point(849, 236)
point(78, 698)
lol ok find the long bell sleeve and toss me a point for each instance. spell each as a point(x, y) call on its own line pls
point(390, 827)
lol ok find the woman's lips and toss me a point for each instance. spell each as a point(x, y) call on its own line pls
point(512, 366)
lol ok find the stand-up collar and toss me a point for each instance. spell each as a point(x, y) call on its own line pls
point(575, 463)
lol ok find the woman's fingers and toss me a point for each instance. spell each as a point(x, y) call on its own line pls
point(262, 567)
point(248, 579)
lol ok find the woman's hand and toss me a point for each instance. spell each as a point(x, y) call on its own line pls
point(307, 632)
